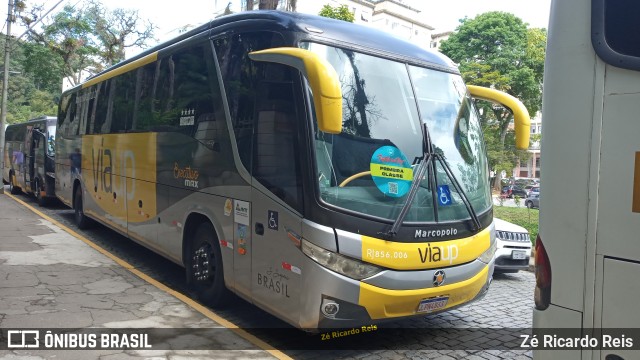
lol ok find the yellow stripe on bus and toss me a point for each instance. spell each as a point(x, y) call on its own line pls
point(122, 69)
point(427, 255)
point(119, 174)
point(383, 303)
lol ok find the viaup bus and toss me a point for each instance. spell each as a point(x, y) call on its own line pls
point(326, 172)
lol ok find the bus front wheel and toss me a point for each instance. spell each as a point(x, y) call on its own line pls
point(82, 221)
point(205, 274)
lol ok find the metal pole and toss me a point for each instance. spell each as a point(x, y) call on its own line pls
point(5, 86)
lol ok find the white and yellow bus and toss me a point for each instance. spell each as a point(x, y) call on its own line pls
point(588, 251)
point(327, 172)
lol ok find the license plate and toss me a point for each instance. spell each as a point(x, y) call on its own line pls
point(519, 255)
point(433, 304)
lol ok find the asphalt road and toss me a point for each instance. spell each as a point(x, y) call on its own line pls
point(508, 305)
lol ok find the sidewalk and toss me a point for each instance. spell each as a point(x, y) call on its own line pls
point(51, 279)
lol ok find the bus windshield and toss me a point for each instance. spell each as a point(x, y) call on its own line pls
point(369, 167)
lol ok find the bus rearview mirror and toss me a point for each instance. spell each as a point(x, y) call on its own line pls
point(520, 113)
point(322, 77)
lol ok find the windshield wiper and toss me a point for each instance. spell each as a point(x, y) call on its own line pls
point(429, 156)
point(423, 165)
point(458, 188)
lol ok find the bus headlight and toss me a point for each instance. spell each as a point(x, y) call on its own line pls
point(352, 268)
point(488, 255)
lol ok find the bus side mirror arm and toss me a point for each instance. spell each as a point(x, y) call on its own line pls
point(520, 113)
point(322, 77)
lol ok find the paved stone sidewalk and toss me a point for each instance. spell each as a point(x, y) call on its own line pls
point(50, 279)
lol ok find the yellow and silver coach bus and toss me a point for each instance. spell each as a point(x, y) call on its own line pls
point(327, 172)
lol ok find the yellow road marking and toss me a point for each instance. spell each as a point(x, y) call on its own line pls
point(199, 308)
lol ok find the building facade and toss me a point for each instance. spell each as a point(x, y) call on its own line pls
point(531, 168)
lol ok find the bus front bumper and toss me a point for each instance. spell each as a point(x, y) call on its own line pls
point(353, 303)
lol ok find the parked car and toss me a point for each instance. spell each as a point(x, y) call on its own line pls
point(533, 190)
point(513, 247)
point(532, 201)
point(513, 190)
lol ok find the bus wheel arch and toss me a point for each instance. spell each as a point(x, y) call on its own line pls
point(202, 259)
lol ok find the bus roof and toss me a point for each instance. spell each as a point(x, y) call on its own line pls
point(337, 32)
point(50, 120)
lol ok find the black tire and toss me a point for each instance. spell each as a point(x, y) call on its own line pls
point(205, 274)
point(42, 200)
point(530, 204)
point(12, 188)
point(82, 221)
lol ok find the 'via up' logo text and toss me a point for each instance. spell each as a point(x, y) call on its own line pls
point(439, 253)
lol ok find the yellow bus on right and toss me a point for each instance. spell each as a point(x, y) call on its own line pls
point(588, 249)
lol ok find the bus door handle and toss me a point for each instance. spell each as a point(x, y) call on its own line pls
point(259, 228)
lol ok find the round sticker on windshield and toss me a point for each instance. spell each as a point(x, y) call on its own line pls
point(391, 171)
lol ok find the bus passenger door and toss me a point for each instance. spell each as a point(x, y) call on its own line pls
point(276, 195)
point(36, 170)
point(29, 160)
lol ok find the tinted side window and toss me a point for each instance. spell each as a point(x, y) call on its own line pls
point(615, 32)
point(238, 72)
point(143, 103)
point(102, 112)
point(182, 90)
point(621, 26)
point(276, 155)
point(263, 113)
point(123, 101)
point(70, 117)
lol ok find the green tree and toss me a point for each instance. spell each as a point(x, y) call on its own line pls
point(496, 50)
point(68, 35)
point(32, 91)
point(92, 37)
point(339, 12)
point(115, 30)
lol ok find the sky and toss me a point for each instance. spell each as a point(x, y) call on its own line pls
point(443, 15)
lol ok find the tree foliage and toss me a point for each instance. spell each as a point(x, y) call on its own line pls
point(339, 12)
point(91, 37)
point(116, 30)
point(65, 45)
point(496, 50)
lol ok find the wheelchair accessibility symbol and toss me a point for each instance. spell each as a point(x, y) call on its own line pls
point(444, 195)
point(272, 220)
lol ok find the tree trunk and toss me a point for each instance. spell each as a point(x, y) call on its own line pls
point(268, 4)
